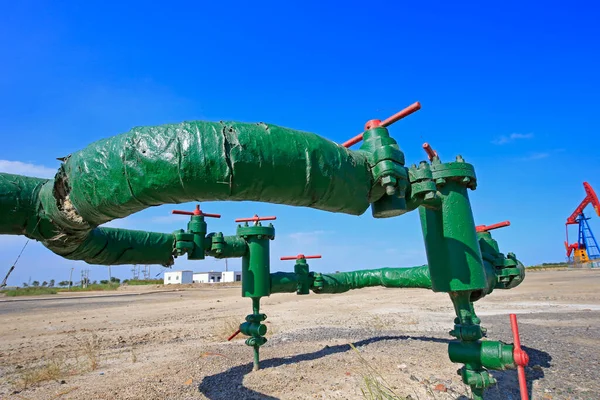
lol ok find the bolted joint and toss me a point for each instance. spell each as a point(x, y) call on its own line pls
point(467, 332)
point(476, 379)
point(253, 329)
point(318, 282)
point(256, 341)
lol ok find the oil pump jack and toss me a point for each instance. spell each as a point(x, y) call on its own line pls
point(586, 248)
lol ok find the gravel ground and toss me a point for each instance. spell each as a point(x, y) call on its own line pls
point(173, 345)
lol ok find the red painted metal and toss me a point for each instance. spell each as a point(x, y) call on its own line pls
point(430, 151)
point(234, 335)
point(590, 198)
point(256, 218)
point(386, 122)
point(374, 123)
point(298, 257)
point(197, 211)
point(485, 228)
point(520, 356)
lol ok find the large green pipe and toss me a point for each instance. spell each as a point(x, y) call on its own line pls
point(22, 212)
point(206, 161)
point(177, 163)
point(415, 277)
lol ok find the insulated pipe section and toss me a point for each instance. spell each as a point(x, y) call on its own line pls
point(415, 277)
point(207, 161)
point(27, 207)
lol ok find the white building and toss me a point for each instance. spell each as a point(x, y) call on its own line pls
point(231, 276)
point(178, 277)
point(207, 277)
point(217, 276)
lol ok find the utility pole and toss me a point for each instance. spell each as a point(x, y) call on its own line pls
point(71, 277)
point(109, 275)
point(226, 265)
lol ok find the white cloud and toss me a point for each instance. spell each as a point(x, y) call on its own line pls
point(21, 168)
point(504, 139)
point(536, 156)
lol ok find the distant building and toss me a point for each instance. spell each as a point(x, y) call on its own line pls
point(178, 277)
point(217, 276)
point(231, 276)
point(207, 277)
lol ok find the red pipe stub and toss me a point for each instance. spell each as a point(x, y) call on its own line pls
point(416, 106)
point(234, 335)
point(374, 123)
point(485, 228)
point(197, 211)
point(431, 153)
point(299, 257)
point(256, 218)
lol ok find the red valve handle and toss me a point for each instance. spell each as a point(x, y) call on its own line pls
point(256, 218)
point(234, 335)
point(430, 151)
point(299, 257)
point(197, 211)
point(520, 356)
point(485, 228)
point(386, 122)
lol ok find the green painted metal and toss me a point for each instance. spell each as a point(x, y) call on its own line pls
point(416, 277)
point(198, 161)
point(386, 162)
point(226, 246)
point(301, 270)
point(28, 207)
point(488, 354)
point(256, 269)
point(451, 244)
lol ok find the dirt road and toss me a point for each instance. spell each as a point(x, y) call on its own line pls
point(172, 345)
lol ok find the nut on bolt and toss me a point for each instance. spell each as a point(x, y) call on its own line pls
point(389, 183)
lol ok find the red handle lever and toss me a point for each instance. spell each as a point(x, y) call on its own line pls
point(197, 211)
point(234, 335)
point(386, 122)
point(520, 356)
point(485, 228)
point(299, 257)
point(256, 218)
point(430, 151)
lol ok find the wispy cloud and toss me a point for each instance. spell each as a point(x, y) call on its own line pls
point(505, 139)
point(536, 156)
point(27, 169)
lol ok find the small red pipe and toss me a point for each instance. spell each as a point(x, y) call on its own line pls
point(416, 106)
point(234, 335)
point(485, 228)
point(430, 151)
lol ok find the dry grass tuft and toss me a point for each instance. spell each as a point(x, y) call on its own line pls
point(375, 387)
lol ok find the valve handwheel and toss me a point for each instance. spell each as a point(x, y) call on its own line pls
point(256, 219)
point(520, 356)
point(299, 257)
point(197, 211)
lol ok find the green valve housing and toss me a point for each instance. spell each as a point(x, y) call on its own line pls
point(455, 262)
point(256, 267)
point(193, 242)
point(302, 272)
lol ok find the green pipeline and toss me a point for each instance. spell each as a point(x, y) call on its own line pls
point(28, 207)
point(415, 277)
point(177, 163)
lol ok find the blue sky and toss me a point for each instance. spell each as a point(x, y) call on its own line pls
point(511, 87)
